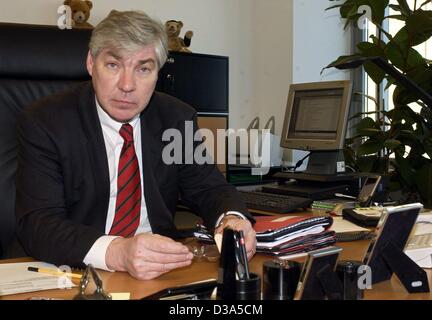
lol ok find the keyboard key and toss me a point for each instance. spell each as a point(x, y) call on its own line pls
point(273, 202)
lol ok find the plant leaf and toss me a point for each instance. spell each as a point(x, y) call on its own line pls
point(333, 7)
point(423, 181)
point(404, 7)
point(397, 17)
point(367, 123)
point(401, 54)
point(367, 163)
point(371, 146)
point(425, 3)
point(419, 27)
point(368, 132)
point(404, 169)
point(376, 73)
point(392, 144)
point(341, 60)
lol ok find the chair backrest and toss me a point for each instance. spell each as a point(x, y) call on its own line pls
point(35, 61)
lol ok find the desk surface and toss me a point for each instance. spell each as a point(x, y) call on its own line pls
point(122, 282)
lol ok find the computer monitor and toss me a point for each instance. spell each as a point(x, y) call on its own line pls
point(315, 120)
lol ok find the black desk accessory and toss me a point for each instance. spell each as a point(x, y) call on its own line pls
point(233, 261)
point(363, 220)
point(226, 288)
point(280, 279)
point(99, 293)
point(312, 190)
point(318, 279)
point(347, 272)
point(385, 253)
point(201, 290)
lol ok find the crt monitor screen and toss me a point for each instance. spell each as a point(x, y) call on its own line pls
point(316, 115)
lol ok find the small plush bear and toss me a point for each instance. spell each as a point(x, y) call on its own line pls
point(80, 12)
point(175, 43)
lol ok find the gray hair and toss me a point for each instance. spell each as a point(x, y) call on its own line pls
point(129, 31)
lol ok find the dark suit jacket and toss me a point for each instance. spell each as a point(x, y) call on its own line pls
point(63, 179)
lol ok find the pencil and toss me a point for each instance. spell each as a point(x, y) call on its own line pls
point(54, 272)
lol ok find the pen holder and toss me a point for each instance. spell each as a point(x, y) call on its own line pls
point(347, 272)
point(249, 289)
point(280, 279)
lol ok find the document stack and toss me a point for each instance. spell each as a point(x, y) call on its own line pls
point(282, 236)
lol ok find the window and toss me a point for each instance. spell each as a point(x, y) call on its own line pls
point(372, 90)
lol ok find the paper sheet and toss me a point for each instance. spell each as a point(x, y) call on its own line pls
point(15, 278)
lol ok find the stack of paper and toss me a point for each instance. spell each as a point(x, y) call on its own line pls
point(15, 278)
point(290, 235)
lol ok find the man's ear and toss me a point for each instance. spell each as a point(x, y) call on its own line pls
point(89, 63)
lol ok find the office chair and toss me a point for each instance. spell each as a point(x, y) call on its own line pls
point(35, 61)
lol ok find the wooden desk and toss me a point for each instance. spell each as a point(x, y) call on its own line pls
point(122, 282)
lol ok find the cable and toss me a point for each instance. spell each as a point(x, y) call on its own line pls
point(349, 167)
point(300, 162)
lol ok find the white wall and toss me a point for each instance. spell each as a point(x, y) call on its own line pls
point(318, 39)
point(270, 43)
point(222, 27)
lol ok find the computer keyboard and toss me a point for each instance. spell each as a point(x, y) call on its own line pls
point(273, 202)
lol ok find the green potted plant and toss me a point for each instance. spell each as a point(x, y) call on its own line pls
point(397, 142)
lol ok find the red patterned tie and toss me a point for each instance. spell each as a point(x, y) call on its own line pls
point(128, 203)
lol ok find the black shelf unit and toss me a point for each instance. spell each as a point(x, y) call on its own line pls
point(200, 80)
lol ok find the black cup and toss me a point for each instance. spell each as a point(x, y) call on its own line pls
point(280, 279)
point(347, 272)
point(249, 289)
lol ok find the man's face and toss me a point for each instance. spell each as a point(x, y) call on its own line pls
point(124, 82)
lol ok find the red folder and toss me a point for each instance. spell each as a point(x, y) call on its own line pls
point(271, 227)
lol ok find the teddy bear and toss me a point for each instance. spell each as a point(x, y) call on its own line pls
point(80, 12)
point(175, 43)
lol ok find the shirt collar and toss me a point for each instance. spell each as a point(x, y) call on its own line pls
point(111, 124)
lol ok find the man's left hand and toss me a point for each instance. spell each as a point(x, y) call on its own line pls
point(237, 223)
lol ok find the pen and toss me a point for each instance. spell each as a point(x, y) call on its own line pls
point(244, 255)
point(239, 256)
point(54, 272)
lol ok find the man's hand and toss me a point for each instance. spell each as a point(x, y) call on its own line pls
point(237, 223)
point(147, 256)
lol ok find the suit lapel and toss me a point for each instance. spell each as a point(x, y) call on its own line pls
point(97, 154)
point(151, 144)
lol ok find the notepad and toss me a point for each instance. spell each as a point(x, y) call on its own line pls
point(14, 278)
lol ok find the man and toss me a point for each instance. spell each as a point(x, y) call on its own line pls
point(92, 186)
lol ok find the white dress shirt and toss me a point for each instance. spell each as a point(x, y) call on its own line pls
point(113, 144)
